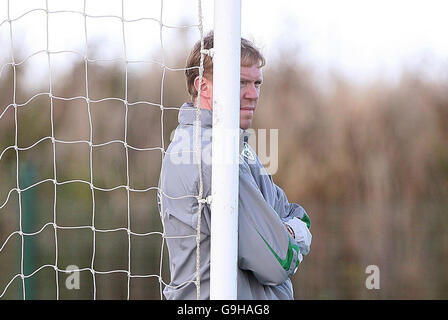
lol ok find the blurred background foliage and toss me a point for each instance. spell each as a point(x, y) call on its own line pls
point(368, 162)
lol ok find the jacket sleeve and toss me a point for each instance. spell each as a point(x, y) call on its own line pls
point(296, 217)
point(288, 210)
point(265, 247)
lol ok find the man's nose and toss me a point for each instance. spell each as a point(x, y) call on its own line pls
point(251, 92)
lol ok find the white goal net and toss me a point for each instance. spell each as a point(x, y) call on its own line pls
point(89, 95)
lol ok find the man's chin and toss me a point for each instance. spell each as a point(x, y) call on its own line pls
point(245, 124)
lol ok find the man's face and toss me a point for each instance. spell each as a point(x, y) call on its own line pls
point(251, 79)
point(250, 85)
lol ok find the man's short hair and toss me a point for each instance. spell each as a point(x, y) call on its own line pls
point(250, 55)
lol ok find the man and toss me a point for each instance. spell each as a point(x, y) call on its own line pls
point(273, 233)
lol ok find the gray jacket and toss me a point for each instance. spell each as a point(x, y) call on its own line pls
point(267, 255)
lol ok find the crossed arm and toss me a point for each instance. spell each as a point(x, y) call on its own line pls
point(266, 247)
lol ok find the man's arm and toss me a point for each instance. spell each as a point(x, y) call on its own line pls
point(265, 247)
point(296, 220)
point(287, 210)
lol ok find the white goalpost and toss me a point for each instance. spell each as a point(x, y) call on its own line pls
point(226, 94)
point(92, 228)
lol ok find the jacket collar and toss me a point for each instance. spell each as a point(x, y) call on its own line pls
point(187, 116)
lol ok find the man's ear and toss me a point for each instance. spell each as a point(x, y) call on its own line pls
point(205, 88)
